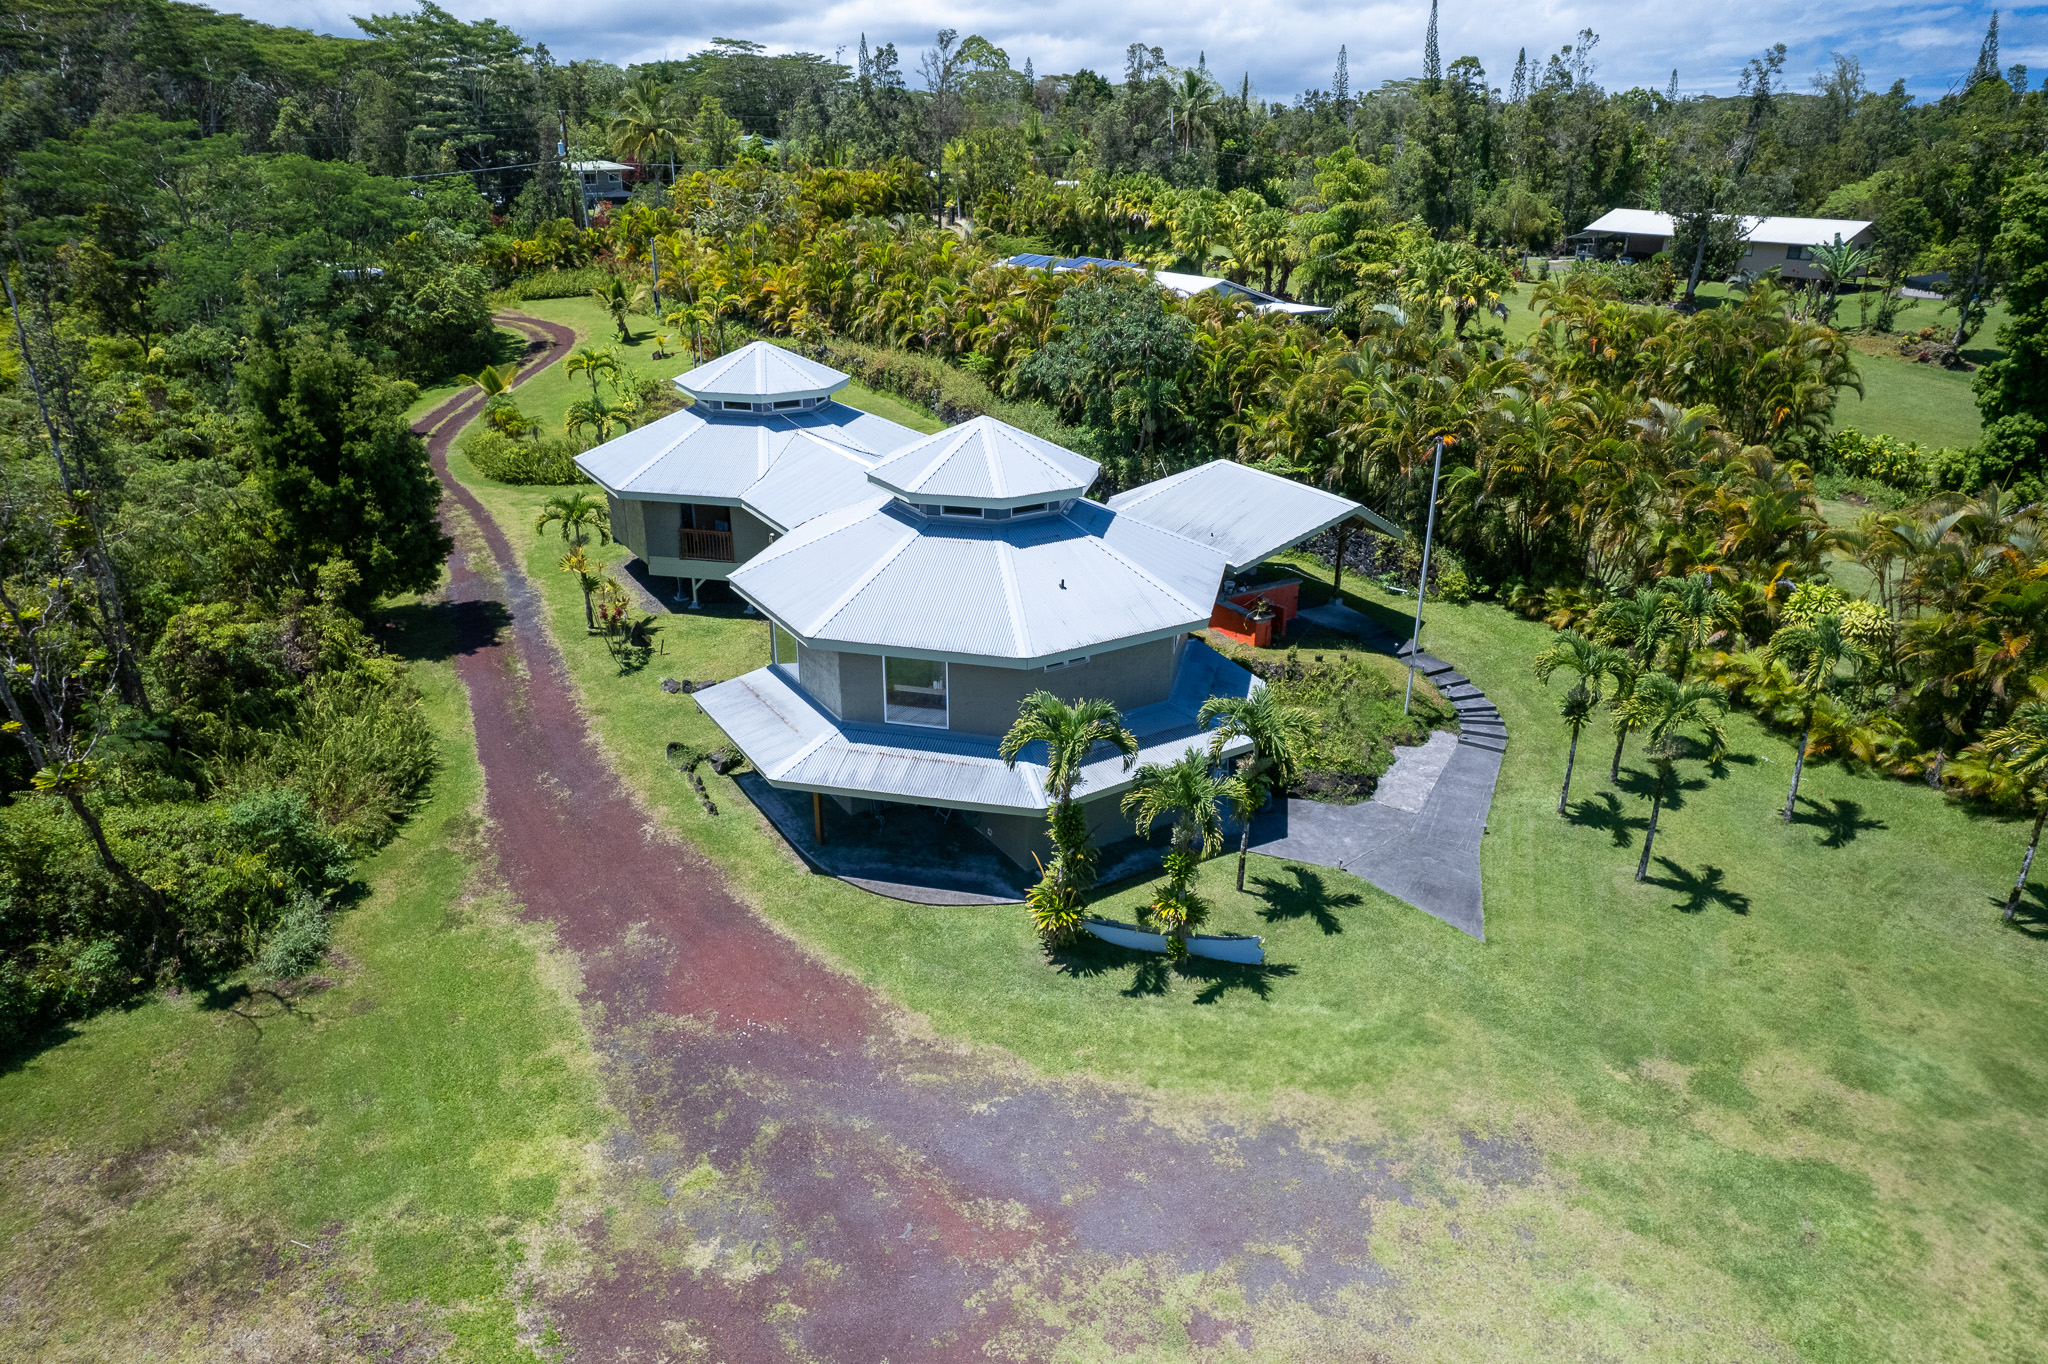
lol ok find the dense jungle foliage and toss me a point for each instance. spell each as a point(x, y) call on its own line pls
point(234, 250)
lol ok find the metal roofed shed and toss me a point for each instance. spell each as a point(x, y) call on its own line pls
point(1243, 514)
point(985, 463)
point(798, 745)
point(1186, 286)
point(759, 372)
point(1770, 231)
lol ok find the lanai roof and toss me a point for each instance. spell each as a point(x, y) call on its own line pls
point(985, 463)
point(759, 372)
point(1242, 514)
point(796, 743)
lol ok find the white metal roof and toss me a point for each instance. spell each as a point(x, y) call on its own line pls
point(759, 372)
point(785, 468)
point(985, 463)
point(1243, 514)
point(1768, 231)
point(798, 745)
point(877, 577)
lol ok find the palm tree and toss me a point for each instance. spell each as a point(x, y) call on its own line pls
point(648, 123)
point(1640, 625)
point(596, 415)
point(1189, 792)
point(2010, 764)
point(1698, 610)
point(1194, 104)
point(591, 363)
point(618, 301)
point(591, 578)
point(1069, 733)
point(1814, 651)
point(1279, 734)
point(578, 514)
point(1662, 708)
point(494, 382)
point(1839, 263)
point(1591, 664)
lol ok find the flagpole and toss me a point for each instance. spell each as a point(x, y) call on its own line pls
point(1422, 582)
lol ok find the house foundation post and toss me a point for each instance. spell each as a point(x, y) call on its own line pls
point(818, 817)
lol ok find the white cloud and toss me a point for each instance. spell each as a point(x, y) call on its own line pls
point(1284, 45)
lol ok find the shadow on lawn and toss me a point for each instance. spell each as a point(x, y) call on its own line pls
point(1307, 897)
point(2031, 918)
point(1838, 820)
point(1153, 975)
point(1604, 812)
point(1701, 890)
point(434, 632)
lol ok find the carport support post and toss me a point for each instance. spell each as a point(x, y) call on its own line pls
point(818, 817)
point(1422, 582)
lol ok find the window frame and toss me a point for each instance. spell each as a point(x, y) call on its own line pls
point(945, 694)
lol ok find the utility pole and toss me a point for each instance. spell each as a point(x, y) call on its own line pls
point(1422, 582)
point(654, 251)
point(575, 177)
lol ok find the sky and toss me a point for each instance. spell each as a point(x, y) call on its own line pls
point(1284, 45)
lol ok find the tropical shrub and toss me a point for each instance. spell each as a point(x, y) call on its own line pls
point(544, 460)
point(572, 283)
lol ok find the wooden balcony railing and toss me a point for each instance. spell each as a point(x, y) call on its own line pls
point(714, 545)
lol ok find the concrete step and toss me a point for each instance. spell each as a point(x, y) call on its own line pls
point(1474, 702)
point(1450, 679)
point(1462, 691)
point(1491, 745)
point(1474, 725)
point(1477, 709)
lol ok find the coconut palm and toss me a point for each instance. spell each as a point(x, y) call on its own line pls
point(1069, 733)
point(591, 363)
point(649, 125)
point(1279, 734)
point(1839, 263)
point(578, 514)
point(1663, 709)
point(1814, 651)
point(2010, 765)
point(1590, 664)
point(1194, 104)
point(1189, 793)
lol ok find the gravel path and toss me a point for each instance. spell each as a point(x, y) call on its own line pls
point(797, 1171)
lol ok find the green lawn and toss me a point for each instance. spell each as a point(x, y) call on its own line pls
point(355, 1172)
point(1788, 1096)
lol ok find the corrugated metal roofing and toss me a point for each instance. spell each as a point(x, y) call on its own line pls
point(785, 468)
point(798, 745)
point(757, 372)
point(1768, 231)
point(985, 463)
point(1241, 513)
point(878, 577)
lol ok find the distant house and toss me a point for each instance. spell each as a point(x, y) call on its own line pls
point(1186, 286)
point(603, 180)
point(1784, 243)
point(917, 588)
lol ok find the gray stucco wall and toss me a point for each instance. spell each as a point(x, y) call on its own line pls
point(848, 685)
point(627, 527)
point(750, 535)
point(1018, 837)
point(662, 521)
point(983, 700)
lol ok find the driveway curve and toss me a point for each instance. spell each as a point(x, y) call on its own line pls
point(813, 1178)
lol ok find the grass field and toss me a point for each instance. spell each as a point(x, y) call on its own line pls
point(1788, 1096)
point(356, 1172)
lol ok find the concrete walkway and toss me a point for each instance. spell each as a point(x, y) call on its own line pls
point(1418, 837)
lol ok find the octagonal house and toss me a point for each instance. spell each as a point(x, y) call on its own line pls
point(969, 570)
point(762, 448)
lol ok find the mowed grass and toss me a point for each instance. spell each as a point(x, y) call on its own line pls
point(371, 1170)
point(1784, 1100)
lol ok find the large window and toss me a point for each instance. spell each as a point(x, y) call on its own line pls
point(782, 648)
point(914, 692)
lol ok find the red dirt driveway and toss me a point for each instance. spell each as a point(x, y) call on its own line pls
point(796, 1176)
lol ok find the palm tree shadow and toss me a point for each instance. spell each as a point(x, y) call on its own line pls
point(2031, 918)
point(1604, 812)
point(1224, 976)
point(1306, 898)
point(1700, 891)
point(1643, 785)
point(1839, 820)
